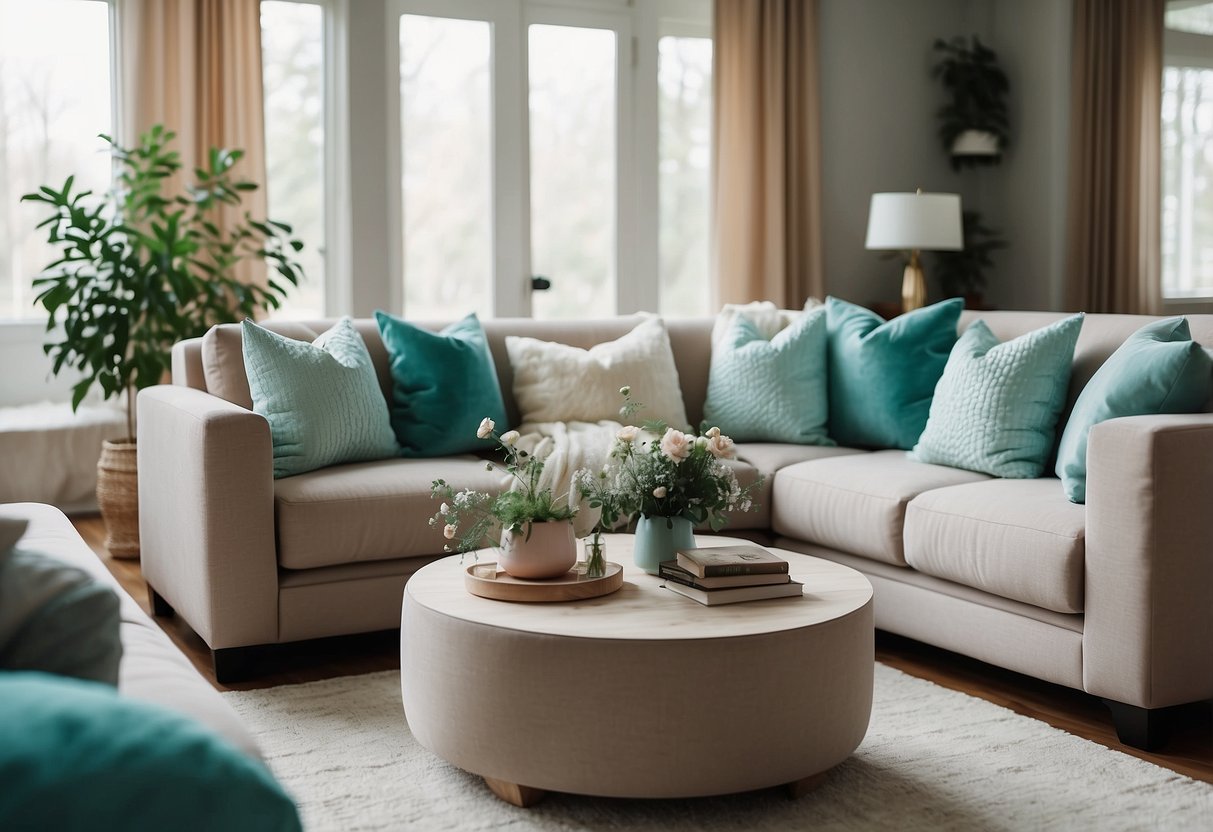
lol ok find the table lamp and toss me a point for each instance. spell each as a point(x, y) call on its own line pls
point(912, 222)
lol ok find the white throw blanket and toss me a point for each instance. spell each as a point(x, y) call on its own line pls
point(566, 447)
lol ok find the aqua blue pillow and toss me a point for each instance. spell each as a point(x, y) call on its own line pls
point(76, 755)
point(322, 400)
point(1158, 369)
point(996, 406)
point(443, 384)
point(883, 373)
point(770, 391)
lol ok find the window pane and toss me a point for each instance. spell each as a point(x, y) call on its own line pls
point(572, 107)
point(54, 100)
point(1190, 18)
point(446, 135)
point(684, 81)
point(292, 58)
point(1187, 206)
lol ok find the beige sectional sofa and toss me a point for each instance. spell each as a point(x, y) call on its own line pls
point(1114, 598)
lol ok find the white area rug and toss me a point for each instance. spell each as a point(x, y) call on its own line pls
point(933, 759)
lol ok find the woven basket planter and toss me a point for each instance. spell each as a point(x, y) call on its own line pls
point(118, 497)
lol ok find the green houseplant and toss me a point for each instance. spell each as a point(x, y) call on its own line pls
point(138, 270)
point(962, 273)
point(973, 124)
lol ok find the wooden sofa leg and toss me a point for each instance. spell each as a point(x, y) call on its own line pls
point(159, 607)
point(1144, 728)
point(234, 664)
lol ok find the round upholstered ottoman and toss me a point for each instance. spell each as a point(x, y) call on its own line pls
point(641, 693)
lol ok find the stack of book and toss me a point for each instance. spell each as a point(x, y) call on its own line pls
point(728, 574)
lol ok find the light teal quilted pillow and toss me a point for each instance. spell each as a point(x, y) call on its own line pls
point(996, 407)
point(770, 391)
point(322, 400)
point(1158, 369)
point(883, 373)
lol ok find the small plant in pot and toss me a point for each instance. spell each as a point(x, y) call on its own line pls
point(138, 271)
point(534, 526)
point(963, 273)
point(973, 125)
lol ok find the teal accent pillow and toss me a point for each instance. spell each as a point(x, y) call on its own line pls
point(76, 755)
point(883, 373)
point(57, 619)
point(1158, 369)
point(322, 400)
point(770, 391)
point(996, 407)
point(443, 384)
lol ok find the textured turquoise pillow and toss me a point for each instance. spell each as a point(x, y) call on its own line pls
point(76, 755)
point(1158, 369)
point(883, 374)
point(996, 407)
point(443, 384)
point(770, 391)
point(322, 400)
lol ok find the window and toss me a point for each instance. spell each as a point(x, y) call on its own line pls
point(292, 56)
point(684, 81)
point(1187, 152)
point(55, 97)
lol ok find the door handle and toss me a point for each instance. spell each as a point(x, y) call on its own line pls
point(539, 283)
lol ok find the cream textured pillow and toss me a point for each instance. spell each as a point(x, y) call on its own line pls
point(768, 318)
point(558, 383)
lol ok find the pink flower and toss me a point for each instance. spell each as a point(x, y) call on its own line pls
point(628, 433)
point(676, 445)
point(450, 531)
point(721, 446)
point(659, 492)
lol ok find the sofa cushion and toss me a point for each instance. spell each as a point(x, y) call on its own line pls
point(857, 502)
point(322, 400)
point(883, 373)
point(787, 373)
point(443, 384)
point(76, 755)
point(556, 382)
point(996, 408)
point(763, 459)
point(368, 511)
point(1020, 539)
point(1158, 369)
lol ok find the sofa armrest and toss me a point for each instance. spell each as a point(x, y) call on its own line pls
point(1149, 560)
point(206, 514)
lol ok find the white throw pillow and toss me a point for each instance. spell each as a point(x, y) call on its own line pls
point(558, 383)
point(766, 316)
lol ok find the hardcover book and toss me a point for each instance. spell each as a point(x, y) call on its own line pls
point(671, 571)
point(718, 561)
point(715, 597)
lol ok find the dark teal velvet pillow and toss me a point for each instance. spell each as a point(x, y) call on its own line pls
point(1158, 369)
point(76, 755)
point(883, 373)
point(443, 384)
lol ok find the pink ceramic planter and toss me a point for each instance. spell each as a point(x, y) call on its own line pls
point(548, 551)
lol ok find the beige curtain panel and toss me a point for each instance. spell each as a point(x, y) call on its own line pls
point(1115, 251)
point(766, 166)
point(195, 67)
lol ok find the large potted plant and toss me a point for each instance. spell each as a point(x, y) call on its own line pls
point(137, 271)
point(963, 273)
point(973, 125)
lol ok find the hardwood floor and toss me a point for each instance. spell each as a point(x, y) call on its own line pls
point(1189, 752)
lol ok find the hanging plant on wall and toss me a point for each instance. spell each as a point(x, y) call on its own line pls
point(973, 125)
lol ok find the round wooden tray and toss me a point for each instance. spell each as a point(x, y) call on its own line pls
point(568, 587)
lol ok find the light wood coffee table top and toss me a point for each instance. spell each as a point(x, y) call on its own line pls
point(643, 609)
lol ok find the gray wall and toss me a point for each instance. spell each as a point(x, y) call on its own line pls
point(878, 104)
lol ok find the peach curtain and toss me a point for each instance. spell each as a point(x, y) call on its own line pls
point(195, 67)
point(1115, 250)
point(766, 166)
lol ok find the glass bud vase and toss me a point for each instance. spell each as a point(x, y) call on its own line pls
point(595, 555)
point(660, 538)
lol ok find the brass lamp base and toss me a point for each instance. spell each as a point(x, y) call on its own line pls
point(913, 285)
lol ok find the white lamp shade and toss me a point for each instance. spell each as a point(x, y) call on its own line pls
point(915, 221)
